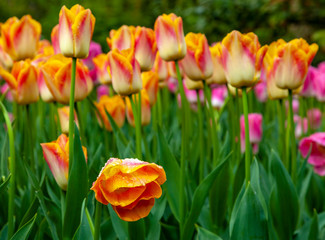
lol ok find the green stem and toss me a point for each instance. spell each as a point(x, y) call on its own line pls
point(201, 142)
point(159, 107)
point(136, 114)
point(90, 221)
point(98, 215)
point(293, 139)
point(247, 144)
point(281, 132)
point(12, 168)
point(71, 113)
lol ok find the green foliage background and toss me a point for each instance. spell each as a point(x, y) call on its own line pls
point(269, 19)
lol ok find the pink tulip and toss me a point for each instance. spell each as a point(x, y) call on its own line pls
point(102, 90)
point(308, 89)
point(94, 50)
point(315, 144)
point(314, 117)
point(319, 84)
point(301, 126)
point(5, 88)
point(261, 91)
point(218, 96)
point(255, 131)
point(295, 106)
point(172, 84)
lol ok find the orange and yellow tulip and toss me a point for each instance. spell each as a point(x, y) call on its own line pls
point(56, 155)
point(76, 27)
point(63, 113)
point(6, 61)
point(102, 68)
point(57, 75)
point(130, 186)
point(145, 109)
point(197, 63)
point(20, 37)
point(115, 106)
point(170, 37)
point(150, 83)
point(22, 81)
point(160, 66)
point(55, 39)
point(218, 75)
point(122, 38)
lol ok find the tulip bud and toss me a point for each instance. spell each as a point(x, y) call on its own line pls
point(150, 83)
point(55, 39)
point(192, 85)
point(64, 119)
point(121, 39)
point(160, 67)
point(102, 68)
point(218, 75)
point(255, 131)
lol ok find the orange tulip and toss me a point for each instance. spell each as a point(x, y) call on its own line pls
point(287, 63)
point(57, 75)
point(115, 106)
point(56, 155)
point(20, 37)
point(102, 68)
point(239, 58)
point(76, 27)
point(22, 81)
point(160, 67)
point(150, 83)
point(145, 109)
point(130, 186)
point(197, 63)
point(6, 61)
point(121, 39)
point(64, 118)
point(125, 71)
point(170, 37)
point(55, 39)
point(218, 75)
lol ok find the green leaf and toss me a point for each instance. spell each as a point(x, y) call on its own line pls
point(153, 220)
point(309, 231)
point(120, 226)
point(77, 189)
point(30, 212)
point(4, 184)
point(169, 163)
point(204, 234)
point(250, 222)
point(23, 232)
point(200, 194)
point(313, 233)
point(83, 231)
point(284, 203)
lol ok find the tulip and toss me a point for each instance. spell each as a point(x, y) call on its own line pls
point(295, 106)
point(57, 75)
point(218, 96)
point(218, 75)
point(6, 89)
point(125, 71)
point(197, 63)
point(192, 85)
point(121, 39)
point(145, 47)
point(102, 90)
point(150, 83)
point(191, 96)
point(308, 89)
point(319, 84)
point(287, 63)
point(20, 37)
point(314, 117)
point(22, 81)
point(115, 106)
point(239, 58)
point(44, 91)
point(301, 126)
point(255, 131)
point(145, 109)
point(260, 90)
point(56, 155)
point(6, 61)
point(172, 84)
point(55, 39)
point(94, 50)
point(170, 37)
point(76, 27)
point(160, 67)
point(130, 186)
point(63, 113)
point(102, 68)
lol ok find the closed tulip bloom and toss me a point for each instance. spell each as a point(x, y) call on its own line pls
point(115, 106)
point(288, 62)
point(145, 47)
point(260, 90)
point(63, 113)
point(56, 155)
point(44, 91)
point(192, 85)
point(197, 63)
point(76, 27)
point(319, 85)
point(170, 37)
point(22, 82)
point(150, 83)
point(314, 117)
point(57, 75)
point(125, 71)
point(218, 96)
point(6, 61)
point(273, 92)
point(255, 131)
point(121, 39)
point(5, 89)
point(130, 186)
point(102, 90)
point(145, 109)
point(301, 126)
point(239, 59)
point(20, 37)
point(55, 39)
point(102, 68)
point(308, 89)
point(218, 75)
point(160, 66)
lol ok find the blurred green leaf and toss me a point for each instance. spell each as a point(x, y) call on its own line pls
point(83, 231)
point(23, 232)
point(4, 184)
point(120, 226)
point(204, 234)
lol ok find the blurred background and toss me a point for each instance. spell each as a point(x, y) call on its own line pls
point(269, 19)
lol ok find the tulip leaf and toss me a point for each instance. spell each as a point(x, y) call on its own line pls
point(249, 219)
point(284, 203)
point(169, 163)
point(200, 194)
point(310, 230)
point(77, 189)
point(30, 212)
point(120, 226)
point(4, 184)
point(83, 231)
point(153, 220)
point(23, 232)
point(203, 234)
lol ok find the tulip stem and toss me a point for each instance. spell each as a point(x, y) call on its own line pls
point(71, 112)
point(98, 215)
point(201, 142)
point(281, 133)
point(247, 144)
point(293, 139)
point(12, 168)
point(135, 110)
point(159, 108)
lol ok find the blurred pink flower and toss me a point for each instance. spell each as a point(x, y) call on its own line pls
point(295, 106)
point(314, 117)
point(4, 88)
point(319, 83)
point(94, 50)
point(255, 131)
point(102, 90)
point(172, 84)
point(308, 89)
point(315, 143)
point(218, 96)
point(261, 91)
point(301, 126)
